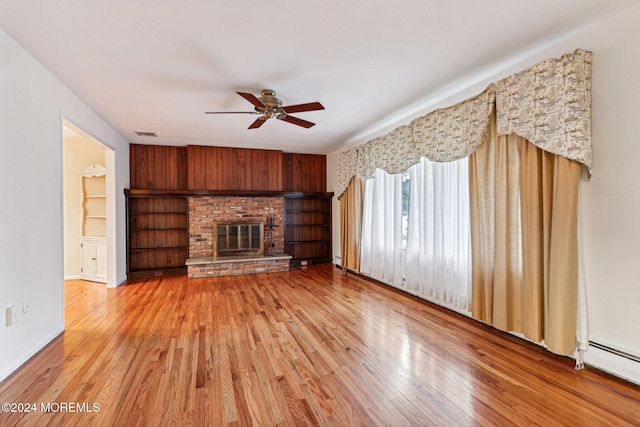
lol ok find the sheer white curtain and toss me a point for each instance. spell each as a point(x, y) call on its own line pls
point(438, 255)
point(381, 250)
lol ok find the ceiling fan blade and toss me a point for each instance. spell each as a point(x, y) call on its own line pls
point(231, 112)
point(299, 108)
point(259, 122)
point(296, 121)
point(252, 99)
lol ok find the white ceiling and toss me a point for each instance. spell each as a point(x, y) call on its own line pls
point(157, 65)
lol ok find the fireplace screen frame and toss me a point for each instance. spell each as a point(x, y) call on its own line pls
point(228, 238)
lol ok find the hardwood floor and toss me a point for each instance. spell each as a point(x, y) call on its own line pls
point(308, 347)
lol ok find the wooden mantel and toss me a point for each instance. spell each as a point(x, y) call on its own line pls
point(236, 193)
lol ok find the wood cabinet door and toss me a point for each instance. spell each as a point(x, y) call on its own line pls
point(231, 169)
point(305, 172)
point(157, 167)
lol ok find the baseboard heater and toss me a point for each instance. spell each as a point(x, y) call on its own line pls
point(615, 351)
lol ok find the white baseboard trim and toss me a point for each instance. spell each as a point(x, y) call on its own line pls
point(615, 364)
point(8, 370)
point(75, 277)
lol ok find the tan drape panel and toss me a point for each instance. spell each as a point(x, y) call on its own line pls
point(351, 203)
point(549, 197)
point(495, 235)
point(524, 240)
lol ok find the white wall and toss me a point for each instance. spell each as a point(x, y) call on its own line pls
point(32, 104)
point(611, 198)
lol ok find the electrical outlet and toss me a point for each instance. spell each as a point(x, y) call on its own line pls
point(11, 315)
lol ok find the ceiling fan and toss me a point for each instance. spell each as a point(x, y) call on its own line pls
point(268, 106)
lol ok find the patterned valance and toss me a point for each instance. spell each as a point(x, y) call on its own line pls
point(395, 153)
point(444, 135)
point(347, 168)
point(549, 104)
point(453, 133)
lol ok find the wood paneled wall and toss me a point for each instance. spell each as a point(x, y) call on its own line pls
point(305, 172)
point(223, 168)
point(157, 167)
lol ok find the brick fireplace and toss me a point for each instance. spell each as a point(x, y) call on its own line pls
point(206, 211)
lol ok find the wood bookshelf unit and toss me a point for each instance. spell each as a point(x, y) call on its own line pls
point(307, 234)
point(157, 234)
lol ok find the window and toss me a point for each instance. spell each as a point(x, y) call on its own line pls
point(416, 231)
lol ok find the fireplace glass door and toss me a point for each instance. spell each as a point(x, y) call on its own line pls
point(238, 239)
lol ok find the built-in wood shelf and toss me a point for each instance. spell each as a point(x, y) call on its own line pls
point(307, 223)
point(157, 234)
point(94, 201)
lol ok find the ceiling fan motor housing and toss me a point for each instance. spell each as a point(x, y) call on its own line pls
point(269, 99)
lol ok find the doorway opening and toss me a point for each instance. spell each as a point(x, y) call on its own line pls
point(88, 206)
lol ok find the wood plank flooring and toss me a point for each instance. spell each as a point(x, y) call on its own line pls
point(308, 347)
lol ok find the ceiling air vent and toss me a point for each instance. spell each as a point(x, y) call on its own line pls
point(147, 134)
